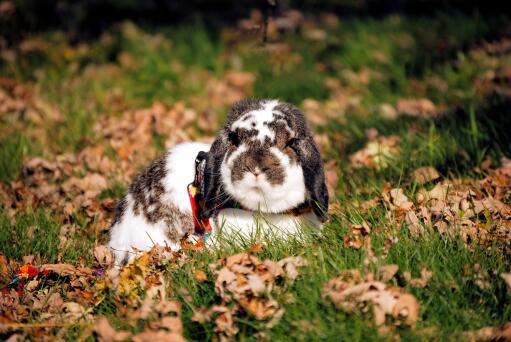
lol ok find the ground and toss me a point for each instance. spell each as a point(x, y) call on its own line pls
point(411, 116)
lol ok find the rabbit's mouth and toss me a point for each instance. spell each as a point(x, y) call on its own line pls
point(262, 196)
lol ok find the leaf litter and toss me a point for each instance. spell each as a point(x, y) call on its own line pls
point(351, 292)
point(247, 285)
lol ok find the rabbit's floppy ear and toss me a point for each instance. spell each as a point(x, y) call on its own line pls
point(214, 195)
point(313, 173)
point(212, 183)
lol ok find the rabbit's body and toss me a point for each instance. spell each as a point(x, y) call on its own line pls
point(261, 169)
point(156, 209)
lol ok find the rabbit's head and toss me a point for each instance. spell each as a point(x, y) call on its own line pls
point(265, 159)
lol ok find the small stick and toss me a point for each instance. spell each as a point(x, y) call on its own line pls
point(268, 5)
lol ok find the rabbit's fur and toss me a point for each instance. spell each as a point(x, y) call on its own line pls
point(263, 162)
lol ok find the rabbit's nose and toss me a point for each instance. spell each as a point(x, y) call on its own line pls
point(256, 172)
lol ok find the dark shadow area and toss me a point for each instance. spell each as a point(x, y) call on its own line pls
point(87, 19)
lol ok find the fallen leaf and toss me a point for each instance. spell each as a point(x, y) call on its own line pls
point(91, 182)
point(75, 312)
point(103, 255)
point(425, 174)
point(106, 333)
point(173, 324)
point(417, 108)
point(376, 154)
point(499, 333)
point(28, 259)
point(158, 336)
point(387, 272)
point(200, 276)
point(507, 279)
point(387, 111)
point(414, 225)
point(408, 307)
point(256, 248)
point(61, 269)
point(426, 275)
point(352, 293)
point(290, 265)
point(399, 200)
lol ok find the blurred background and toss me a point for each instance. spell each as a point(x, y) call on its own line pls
point(86, 19)
point(113, 83)
point(79, 70)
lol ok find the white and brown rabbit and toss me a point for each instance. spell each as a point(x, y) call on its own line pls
point(263, 164)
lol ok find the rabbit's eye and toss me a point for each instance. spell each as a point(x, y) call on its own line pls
point(234, 138)
point(291, 142)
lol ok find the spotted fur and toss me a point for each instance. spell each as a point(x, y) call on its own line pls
point(156, 208)
point(263, 158)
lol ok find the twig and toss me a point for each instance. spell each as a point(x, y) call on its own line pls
point(268, 5)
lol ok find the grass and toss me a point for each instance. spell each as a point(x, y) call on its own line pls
point(129, 67)
point(12, 149)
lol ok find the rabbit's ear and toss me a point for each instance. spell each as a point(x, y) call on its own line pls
point(213, 195)
point(312, 166)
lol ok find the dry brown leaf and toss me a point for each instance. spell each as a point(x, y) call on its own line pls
point(387, 272)
point(247, 281)
point(224, 324)
point(103, 255)
point(408, 307)
point(426, 275)
point(507, 279)
point(240, 79)
point(425, 174)
point(331, 178)
point(376, 154)
point(166, 306)
point(439, 192)
point(31, 285)
point(360, 229)
point(200, 276)
point(354, 238)
point(414, 225)
point(387, 111)
point(353, 241)
point(399, 200)
point(91, 182)
point(290, 265)
point(76, 312)
point(170, 323)
point(158, 336)
point(353, 294)
point(106, 333)
point(260, 309)
point(61, 269)
point(417, 108)
point(28, 259)
point(502, 332)
point(256, 248)
point(201, 315)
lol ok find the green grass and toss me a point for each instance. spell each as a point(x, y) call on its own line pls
point(31, 233)
point(138, 65)
point(12, 150)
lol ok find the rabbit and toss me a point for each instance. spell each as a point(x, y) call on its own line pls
point(262, 170)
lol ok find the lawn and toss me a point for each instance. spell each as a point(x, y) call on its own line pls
point(412, 116)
